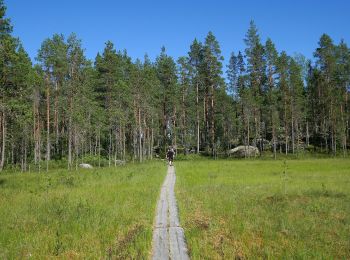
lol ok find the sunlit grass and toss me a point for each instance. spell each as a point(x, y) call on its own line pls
point(265, 209)
point(95, 213)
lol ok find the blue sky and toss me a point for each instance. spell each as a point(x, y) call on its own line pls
point(144, 26)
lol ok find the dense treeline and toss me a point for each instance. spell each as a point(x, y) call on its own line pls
point(66, 107)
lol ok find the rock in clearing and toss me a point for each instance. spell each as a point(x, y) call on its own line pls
point(120, 162)
point(244, 151)
point(85, 166)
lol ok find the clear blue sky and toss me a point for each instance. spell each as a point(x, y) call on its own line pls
point(144, 26)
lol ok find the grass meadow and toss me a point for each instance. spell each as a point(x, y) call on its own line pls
point(248, 209)
point(98, 213)
point(229, 209)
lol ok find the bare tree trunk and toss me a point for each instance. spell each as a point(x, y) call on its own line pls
point(298, 133)
point(48, 145)
point(110, 148)
point(212, 119)
point(70, 134)
point(12, 155)
point(76, 148)
point(197, 114)
point(256, 127)
point(135, 144)
point(99, 147)
point(174, 125)
point(152, 140)
point(205, 118)
point(124, 143)
point(149, 143)
point(343, 131)
point(140, 135)
point(285, 125)
point(146, 142)
point(22, 155)
point(183, 118)
point(293, 141)
point(117, 141)
point(25, 155)
point(274, 141)
point(347, 126)
point(164, 126)
point(96, 145)
point(70, 143)
point(34, 129)
point(248, 134)
point(307, 134)
point(56, 117)
point(3, 150)
point(39, 146)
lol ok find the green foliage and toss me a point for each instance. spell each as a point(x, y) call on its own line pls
point(97, 213)
point(265, 209)
point(115, 108)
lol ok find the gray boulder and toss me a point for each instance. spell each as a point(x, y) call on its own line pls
point(120, 162)
point(85, 166)
point(244, 151)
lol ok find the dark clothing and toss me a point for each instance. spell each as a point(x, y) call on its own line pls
point(170, 155)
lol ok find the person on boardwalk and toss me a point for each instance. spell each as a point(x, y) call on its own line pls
point(170, 156)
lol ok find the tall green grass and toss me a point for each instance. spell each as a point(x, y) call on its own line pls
point(252, 209)
point(97, 213)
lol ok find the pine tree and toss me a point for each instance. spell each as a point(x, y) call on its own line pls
point(271, 116)
point(184, 71)
point(326, 62)
point(297, 92)
point(283, 84)
point(166, 71)
point(15, 88)
point(213, 82)
point(256, 71)
point(196, 65)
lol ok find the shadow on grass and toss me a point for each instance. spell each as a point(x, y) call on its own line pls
point(304, 198)
point(326, 193)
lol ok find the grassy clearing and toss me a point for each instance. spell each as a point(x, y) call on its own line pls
point(95, 213)
point(265, 209)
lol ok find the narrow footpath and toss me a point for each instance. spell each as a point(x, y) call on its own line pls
point(168, 235)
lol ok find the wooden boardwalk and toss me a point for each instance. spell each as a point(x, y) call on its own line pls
point(168, 236)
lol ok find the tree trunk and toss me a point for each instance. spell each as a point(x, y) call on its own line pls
point(197, 106)
point(3, 150)
point(140, 135)
point(307, 134)
point(124, 143)
point(285, 125)
point(293, 141)
point(99, 147)
point(344, 130)
point(248, 134)
point(76, 148)
point(152, 140)
point(56, 118)
point(212, 119)
point(70, 143)
point(183, 117)
point(48, 145)
point(274, 141)
point(110, 148)
point(117, 141)
point(174, 127)
point(70, 137)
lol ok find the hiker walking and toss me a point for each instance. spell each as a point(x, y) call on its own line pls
point(170, 156)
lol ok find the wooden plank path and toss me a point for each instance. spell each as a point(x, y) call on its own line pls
point(168, 235)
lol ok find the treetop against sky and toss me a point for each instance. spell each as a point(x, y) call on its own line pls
point(144, 26)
